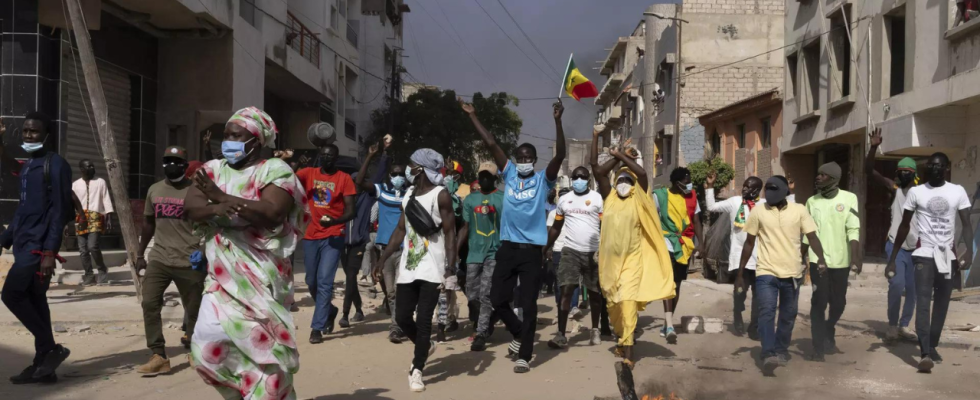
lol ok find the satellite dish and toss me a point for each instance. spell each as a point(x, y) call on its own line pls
point(321, 134)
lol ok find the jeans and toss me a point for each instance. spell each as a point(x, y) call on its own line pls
point(931, 285)
point(518, 261)
point(88, 250)
point(389, 275)
point(479, 280)
point(190, 284)
point(448, 308)
point(25, 295)
point(739, 298)
point(829, 288)
point(904, 280)
point(774, 293)
point(351, 259)
point(418, 297)
point(321, 257)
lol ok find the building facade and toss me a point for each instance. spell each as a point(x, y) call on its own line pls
point(619, 99)
point(923, 87)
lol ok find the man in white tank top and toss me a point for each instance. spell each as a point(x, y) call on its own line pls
point(904, 280)
point(426, 261)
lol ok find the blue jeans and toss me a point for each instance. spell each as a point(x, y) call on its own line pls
point(321, 258)
point(784, 294)
point(904, 280)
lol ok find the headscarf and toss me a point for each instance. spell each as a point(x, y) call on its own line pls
point(832, 170)
point(775, 196)
point(432, 162)
point(258, 123)
point(908, 164)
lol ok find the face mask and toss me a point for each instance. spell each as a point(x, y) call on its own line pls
point(487, 184)
point(32, 147)
point(905, 178)
point(234, 151)
point(580, 185)
point(398, 181)
point(451, 184)
point(775, 196)
point(688, 188)
point(624, 189)
point(174, 172)
point(412, 177)
point(525, 169)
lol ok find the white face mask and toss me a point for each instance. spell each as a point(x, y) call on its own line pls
point(525, 169)
point(412, 177)
point(624, 189)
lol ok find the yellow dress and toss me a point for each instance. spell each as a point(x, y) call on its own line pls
point(634, 264)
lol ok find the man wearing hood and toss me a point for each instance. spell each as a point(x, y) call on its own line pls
point(904, 279)
point(835, 211)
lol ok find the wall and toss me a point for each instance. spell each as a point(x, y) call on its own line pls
point(752, 159)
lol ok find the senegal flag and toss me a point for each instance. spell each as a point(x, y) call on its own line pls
point(576, 84)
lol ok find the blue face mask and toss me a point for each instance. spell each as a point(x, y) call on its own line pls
point(234, 151)
point(580, 185)
point(398, 182)
point(32, 147)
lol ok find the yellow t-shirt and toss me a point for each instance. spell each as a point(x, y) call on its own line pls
point(777, 233)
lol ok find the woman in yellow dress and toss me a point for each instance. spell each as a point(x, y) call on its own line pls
point(634, 265)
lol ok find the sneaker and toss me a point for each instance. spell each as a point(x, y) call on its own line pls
point(186, 341)
point(596, 338)
point(415, 381)
point(358, 317)
point(770, 364)
point(316, 337)
point(907, 334)
point(671, 335)
point(783, 359)
point(521, 367)
point(331, 319)
point(738, 328)
point(558, 342)
point(103, 278)
point(663, 331)
point(817, 357)
point(394, 337)
point(27, 376)
point(754, 334)
point(452, 327)
point(88, 280)
point(513, 348)
point(892, 334)
point(156, 366)
point(926, 364)
point(575, 313)
point(936, 358)
point(479, 343)
point(52, 360)
point(344, 323)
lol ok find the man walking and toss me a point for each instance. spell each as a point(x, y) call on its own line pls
point(739, 208)
point(835, 211)
point(357, 236)
point(330, 193)
point(523, 233)
point(581, 210)
point(681, 221)
point(935, 206)
point(778, 224)
point(390, 194)
point(35, 235)
point(93, 195)
point(170, 261)
point(904, 279)
point(448, 308)
point(481, 229)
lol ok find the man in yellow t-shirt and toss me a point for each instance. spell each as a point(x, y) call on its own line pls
point(778, 225)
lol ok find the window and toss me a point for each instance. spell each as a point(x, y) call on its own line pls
point(668, 150)
point(791, 74)
point(765, 133)
point(666, 78)
point(715, 144)
point(893, 52)
point(961, 12)
point(740, 135)
point(840, 59)
point(327, 113)
point(809, 100)
point(246, 10)
point(350, 129)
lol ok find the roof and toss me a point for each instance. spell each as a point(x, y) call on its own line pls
point(749, 103)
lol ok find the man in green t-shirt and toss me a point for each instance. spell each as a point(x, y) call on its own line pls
point(835, 212)
point(174, 242)
point(481, 229)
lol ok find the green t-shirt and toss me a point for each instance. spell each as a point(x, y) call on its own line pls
point(837, 224)
point(482, 212)
point(173, 238)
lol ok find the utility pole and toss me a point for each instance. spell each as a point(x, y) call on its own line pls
point(107, 141)
point(393, 97)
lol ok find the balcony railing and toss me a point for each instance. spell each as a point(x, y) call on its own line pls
point(303, 40)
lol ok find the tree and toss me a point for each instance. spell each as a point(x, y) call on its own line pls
point(432, 118)
point(701, 169)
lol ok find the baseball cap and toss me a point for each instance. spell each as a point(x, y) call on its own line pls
point(175, 152)
point(489, 167)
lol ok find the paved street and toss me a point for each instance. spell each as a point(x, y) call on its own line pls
point(358, 363)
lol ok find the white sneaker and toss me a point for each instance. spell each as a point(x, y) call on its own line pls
point(596, 338)
point(415, 381)
point(575, 313)
point(907, 334)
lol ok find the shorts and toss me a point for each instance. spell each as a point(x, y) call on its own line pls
point(680, 271)
point(578, 267)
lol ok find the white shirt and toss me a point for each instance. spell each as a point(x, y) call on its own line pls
point(581, 214)
point(935, 218)
point(94, 196)
point(423, 258)
point(731, 206)
point(560, 242)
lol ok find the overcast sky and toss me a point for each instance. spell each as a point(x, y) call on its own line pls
point(558, 27)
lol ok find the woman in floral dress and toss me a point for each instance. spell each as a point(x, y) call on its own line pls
point(249, 211)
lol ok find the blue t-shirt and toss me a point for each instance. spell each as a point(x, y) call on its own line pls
point(524, 218)
point(389, 211)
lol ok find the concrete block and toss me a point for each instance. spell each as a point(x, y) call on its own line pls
point(60, 328)
point(714, 325)
point(692, 324)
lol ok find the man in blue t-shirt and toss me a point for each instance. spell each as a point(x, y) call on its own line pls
point(523, 233)
point(389, 195)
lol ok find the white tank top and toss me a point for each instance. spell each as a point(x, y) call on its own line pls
point(423, 258)
point(897, 211)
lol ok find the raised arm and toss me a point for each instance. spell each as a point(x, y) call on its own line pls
point(555, 165)
point(869, 163)
point(600, 172)
point(361, 181)
point(641, 175)
point(498, 154)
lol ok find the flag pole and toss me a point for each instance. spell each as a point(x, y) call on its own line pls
point(564, 77)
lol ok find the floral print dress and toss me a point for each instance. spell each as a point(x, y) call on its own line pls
point(244, 343)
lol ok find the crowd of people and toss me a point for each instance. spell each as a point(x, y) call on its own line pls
point(225, 232)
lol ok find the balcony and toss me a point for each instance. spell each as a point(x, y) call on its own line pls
point(301, 39)
point(614, 53)
point(353, 27)
point(611, 89)
point(611, 116)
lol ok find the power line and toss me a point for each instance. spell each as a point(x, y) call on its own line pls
point(418, 52)
point(461, 45)
point(528, 38)
point(515, 42)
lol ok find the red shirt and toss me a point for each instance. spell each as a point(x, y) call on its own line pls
point(326, 194)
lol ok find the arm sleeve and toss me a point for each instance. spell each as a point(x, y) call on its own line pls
point(807, 225)
point(302, 174)
point(60, 204)
point(106, 199)
point(752, 225)
point(853, 222)
point(348, 189)
point(509, 171)
point(964, 202)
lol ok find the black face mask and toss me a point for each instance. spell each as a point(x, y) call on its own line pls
point(487, 184)
point(174, 172)
point(905, 178)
